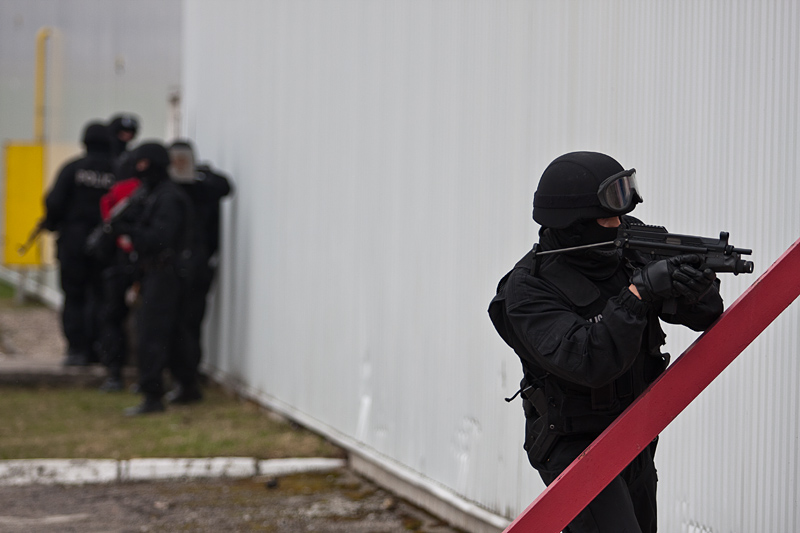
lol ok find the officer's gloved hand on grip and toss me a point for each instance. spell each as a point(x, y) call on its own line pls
point(692, 284)
point(655, 281)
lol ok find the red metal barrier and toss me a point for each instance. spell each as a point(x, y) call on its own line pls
point(692, 372)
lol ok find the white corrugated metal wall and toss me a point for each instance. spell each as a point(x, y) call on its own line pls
point(385, 155)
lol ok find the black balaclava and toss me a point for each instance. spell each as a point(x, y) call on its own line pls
point(595, 263)
point(158, 156)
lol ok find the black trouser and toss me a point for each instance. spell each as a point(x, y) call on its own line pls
point(117, 279)
point(626, 505)
point(82, 287)
point(157, 326)
point(188, 352)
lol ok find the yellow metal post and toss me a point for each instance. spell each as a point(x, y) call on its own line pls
point(41, 72)
point(24, 176)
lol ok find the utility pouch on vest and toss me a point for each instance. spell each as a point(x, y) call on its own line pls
point(604, 398)
point(572, 413)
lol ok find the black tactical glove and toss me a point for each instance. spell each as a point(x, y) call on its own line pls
point(654, 281)
point(692, 284)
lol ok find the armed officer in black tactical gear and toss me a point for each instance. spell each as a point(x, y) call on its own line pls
point(119, 263)
point(160, 236)
point(122, 204)
point(585, 324)
point(205, 188)
point(73, 210)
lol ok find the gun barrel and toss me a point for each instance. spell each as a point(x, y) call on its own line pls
point(28, 244)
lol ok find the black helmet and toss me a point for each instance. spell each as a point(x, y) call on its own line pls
point(124, 121)
point(95, 135)
point(583, 186)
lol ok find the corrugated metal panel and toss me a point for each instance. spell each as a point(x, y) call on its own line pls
point(385, 155)
point(104, 57)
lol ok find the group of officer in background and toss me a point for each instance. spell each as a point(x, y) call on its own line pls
point(137, 229)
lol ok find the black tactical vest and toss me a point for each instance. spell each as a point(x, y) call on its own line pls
point(561, 407)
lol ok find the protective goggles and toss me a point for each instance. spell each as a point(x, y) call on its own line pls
point(618, 192)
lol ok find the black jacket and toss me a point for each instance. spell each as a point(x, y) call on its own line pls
point(75, 196)
point(206, 192)
point(588, 348)
point(162, 231)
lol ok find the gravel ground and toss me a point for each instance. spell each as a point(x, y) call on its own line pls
point(338, 501)
point(333, 502)
point(30, 335)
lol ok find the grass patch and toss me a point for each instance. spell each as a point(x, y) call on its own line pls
point(6, 290)
point(8, 293)
point(87, 424)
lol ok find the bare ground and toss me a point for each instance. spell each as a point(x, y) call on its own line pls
point(333, 502)
point(338, 501)
point(30, 335)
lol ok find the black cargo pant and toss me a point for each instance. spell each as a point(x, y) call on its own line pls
point(185, 361)
point(117, 279)
point(82, 288)
point(157, 325)
point(626, 505)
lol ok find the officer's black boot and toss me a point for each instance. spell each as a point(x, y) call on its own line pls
point(113, 382)
point(182, 395)
point(150, 404)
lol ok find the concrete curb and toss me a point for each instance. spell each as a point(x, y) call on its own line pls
point(83, 471)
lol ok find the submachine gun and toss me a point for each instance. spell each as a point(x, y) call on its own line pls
point(101, 242)
point(655, 242)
